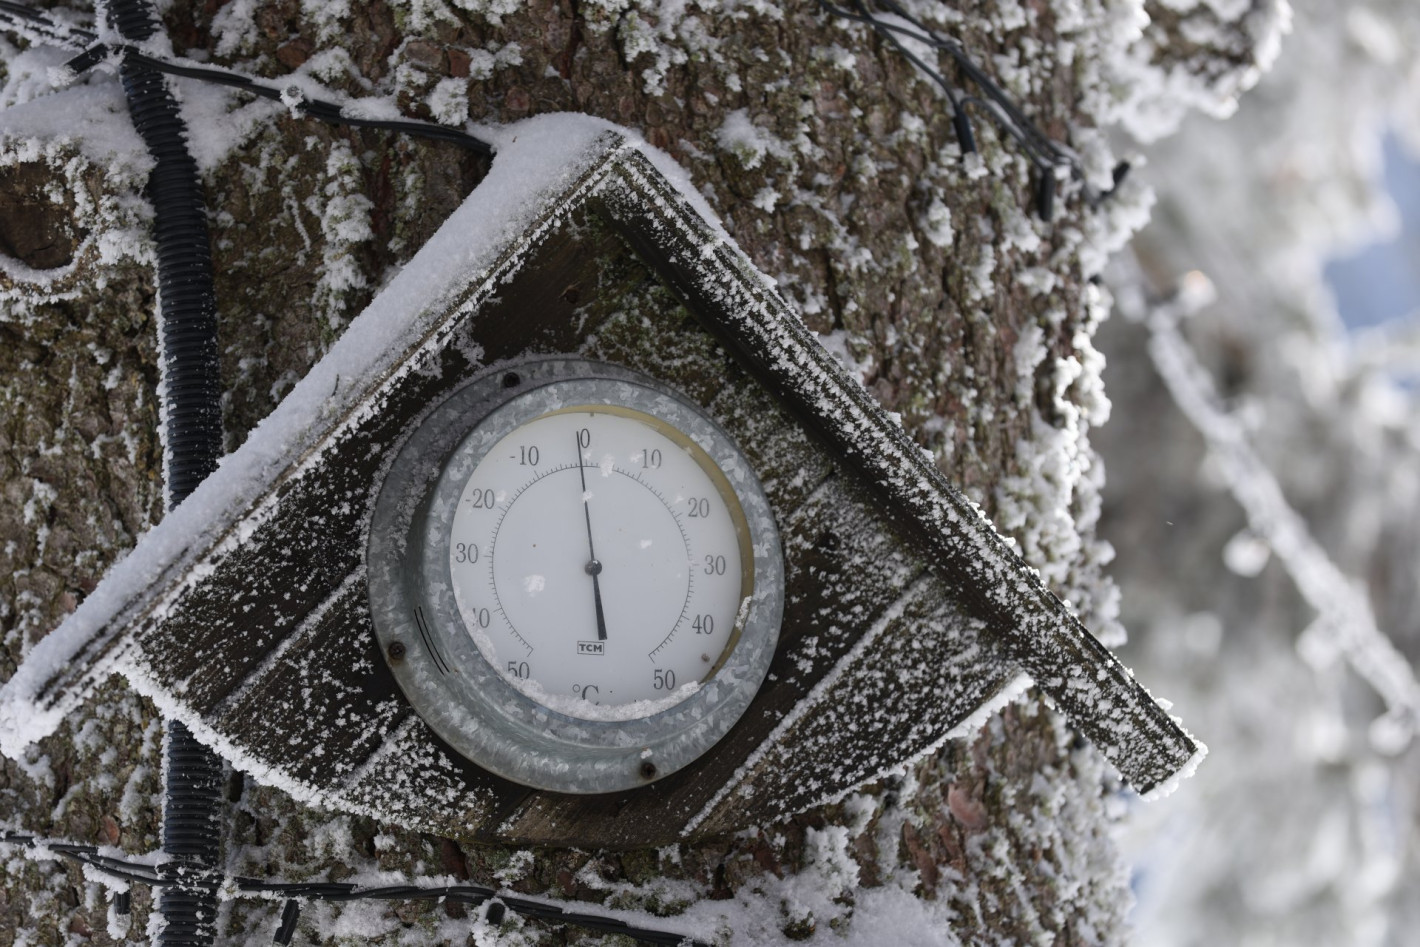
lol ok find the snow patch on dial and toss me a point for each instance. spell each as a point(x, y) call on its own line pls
point(587, 710)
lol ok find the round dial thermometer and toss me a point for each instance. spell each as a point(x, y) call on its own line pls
point(575, 576)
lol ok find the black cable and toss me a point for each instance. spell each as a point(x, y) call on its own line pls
point(1010, 118)
point(191, 390)
point(290, 913)
point(161, 877)
point(192, 834)
point(316, 108)
point(864, 16)
point(188, 326)
point(1024, 126)
point(1045, 154)
point(37, 26)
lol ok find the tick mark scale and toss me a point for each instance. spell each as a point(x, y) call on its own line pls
point(657, 508)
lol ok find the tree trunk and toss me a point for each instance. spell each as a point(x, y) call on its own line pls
point(834, 163)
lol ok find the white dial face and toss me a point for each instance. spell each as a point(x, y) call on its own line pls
point(575, 576)
point(599, 559)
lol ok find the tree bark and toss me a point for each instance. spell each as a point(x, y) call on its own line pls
point(834, 164)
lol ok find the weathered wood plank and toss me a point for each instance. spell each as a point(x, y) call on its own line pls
point(863, 515)
point(920, 671)
point(328, 676)
point(214, 632)
point(844, 565)
point(635, 322)
point(791, 464)
point(416, 780)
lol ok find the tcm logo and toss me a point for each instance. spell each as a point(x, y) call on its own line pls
point(591, 647)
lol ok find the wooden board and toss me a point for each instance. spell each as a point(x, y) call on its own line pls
point(904, 610)
point(295, 655)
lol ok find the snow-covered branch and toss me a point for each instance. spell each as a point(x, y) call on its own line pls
point(1345, 625)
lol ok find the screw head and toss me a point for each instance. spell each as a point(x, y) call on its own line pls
point(396, 650)
point(648, 769)
point(512, 380)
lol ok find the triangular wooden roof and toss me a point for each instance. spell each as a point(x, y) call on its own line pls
point(977, 616)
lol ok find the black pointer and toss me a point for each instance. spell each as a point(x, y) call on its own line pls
point(593, 566)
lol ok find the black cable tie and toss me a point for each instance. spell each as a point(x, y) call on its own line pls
point(1121, 171)
point(1045, 196)
point(122, 903)
point(88, 59)
point(962, 125)
point(497, 910)
point(290, 913)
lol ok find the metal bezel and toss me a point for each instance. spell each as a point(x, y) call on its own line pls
point(442, 672)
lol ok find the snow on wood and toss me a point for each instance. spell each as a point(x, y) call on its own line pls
point(394, 354)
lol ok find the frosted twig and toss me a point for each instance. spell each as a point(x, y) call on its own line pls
point(1345, 623)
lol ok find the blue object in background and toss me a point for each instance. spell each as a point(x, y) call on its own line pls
point(1381, 282)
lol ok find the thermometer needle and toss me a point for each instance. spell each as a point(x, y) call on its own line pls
point(593, 566)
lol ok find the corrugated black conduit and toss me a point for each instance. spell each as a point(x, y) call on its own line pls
point(192, 422)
